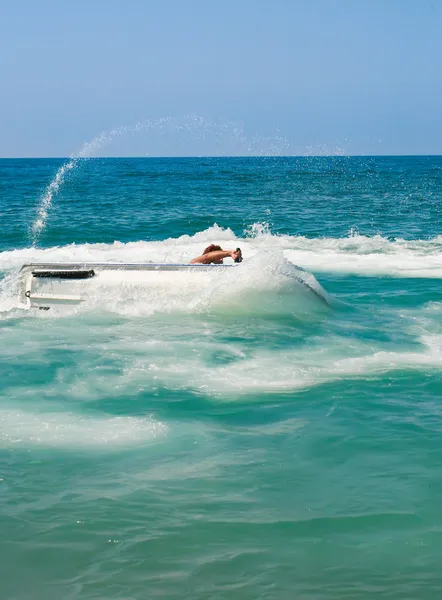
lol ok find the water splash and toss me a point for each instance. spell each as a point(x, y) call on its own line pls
point(87, 151)
point(256, 230)
point(200, 128)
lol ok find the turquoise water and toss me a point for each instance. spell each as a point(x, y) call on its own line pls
point(253, 441)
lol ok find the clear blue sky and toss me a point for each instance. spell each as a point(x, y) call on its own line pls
point(363, 76)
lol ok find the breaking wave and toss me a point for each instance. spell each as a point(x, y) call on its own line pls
point(276, 275)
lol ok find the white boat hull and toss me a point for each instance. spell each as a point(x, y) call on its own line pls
point(55, 284)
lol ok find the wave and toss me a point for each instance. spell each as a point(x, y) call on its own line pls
point(175, 358)
point(265, 283)
point(355, 254)
point(272, 371)
point(276, 275)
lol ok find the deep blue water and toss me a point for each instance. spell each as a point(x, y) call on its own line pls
point(247, 441)
point(159, 198)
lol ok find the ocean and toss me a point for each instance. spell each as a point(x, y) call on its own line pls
point(254, 440)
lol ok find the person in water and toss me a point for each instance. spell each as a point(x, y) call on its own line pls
point(214, 254)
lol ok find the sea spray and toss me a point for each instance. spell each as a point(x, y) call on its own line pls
point(88, 149)
point(193, 125)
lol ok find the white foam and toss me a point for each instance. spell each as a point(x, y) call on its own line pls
point(176, 358)
point(20, 428)
point(264, 282)
point(399, 262)
point(202, 354)
point(285, 371)
point(358, 254)
point(355, 254)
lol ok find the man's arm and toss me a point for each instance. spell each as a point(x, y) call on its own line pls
point(212, 257)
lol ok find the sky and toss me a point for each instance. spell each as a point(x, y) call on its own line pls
point(208, 77)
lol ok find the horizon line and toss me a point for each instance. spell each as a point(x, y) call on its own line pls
point(222, 156)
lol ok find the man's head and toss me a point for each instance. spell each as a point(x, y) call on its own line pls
point(211, 248)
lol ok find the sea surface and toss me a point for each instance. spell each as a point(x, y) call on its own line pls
point(254, 440)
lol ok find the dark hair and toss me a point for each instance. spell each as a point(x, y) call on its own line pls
point(212, 248)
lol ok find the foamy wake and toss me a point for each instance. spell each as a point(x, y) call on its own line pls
point(284, 371)
point(182, 365)
point(18, 427)
point(268, 268)
point(356, 254)
point(266, 282)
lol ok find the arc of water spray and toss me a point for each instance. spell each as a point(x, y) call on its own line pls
point(86, 152)
point(191, 123)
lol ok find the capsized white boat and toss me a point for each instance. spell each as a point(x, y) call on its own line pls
point(43, 285)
